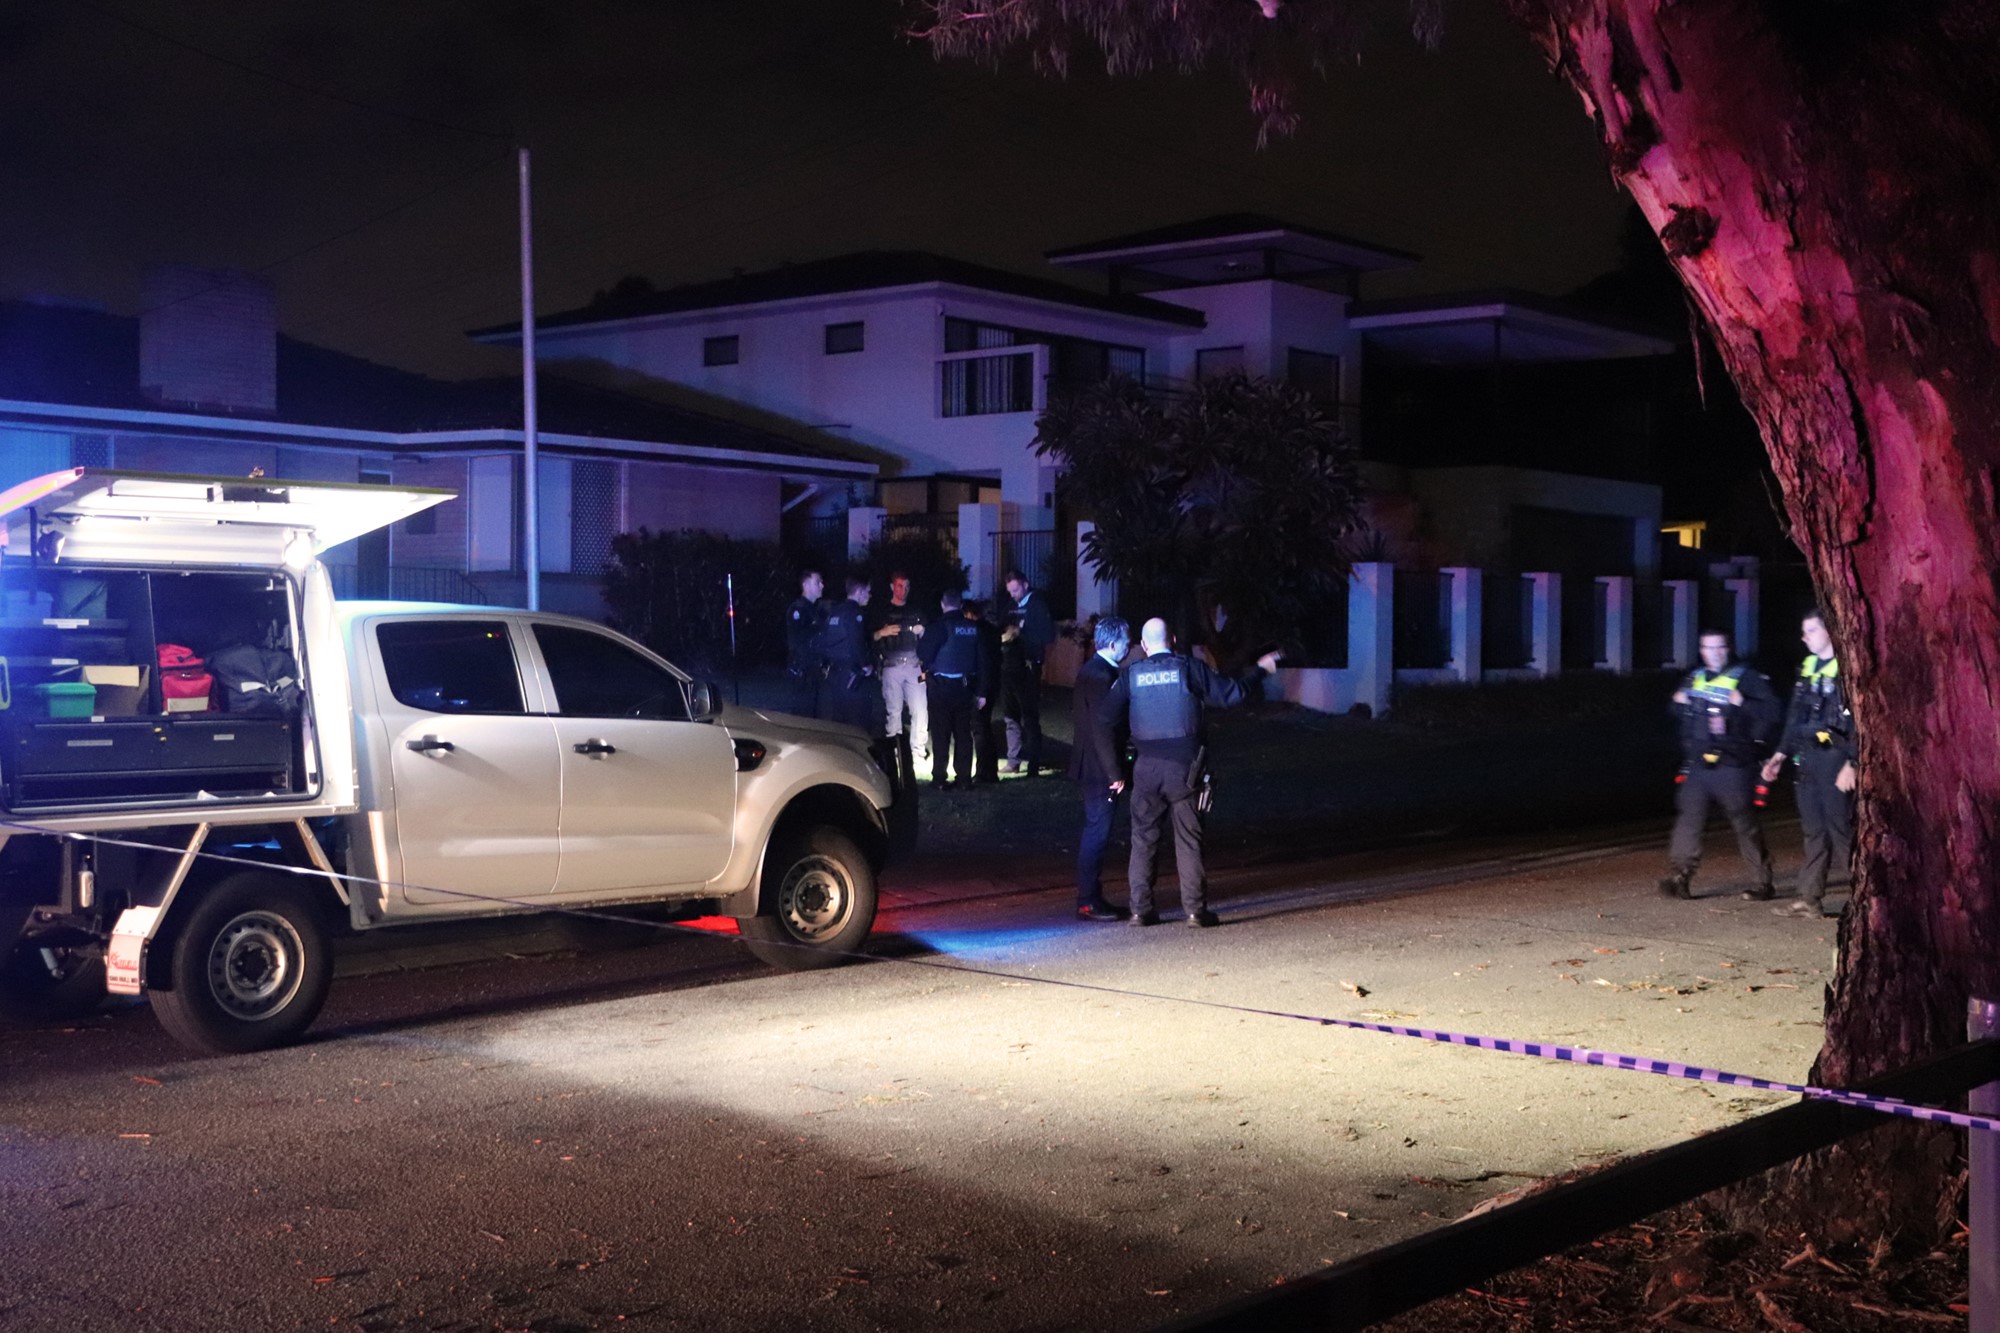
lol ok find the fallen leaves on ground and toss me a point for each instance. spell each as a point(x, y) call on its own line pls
point(1683, 1271)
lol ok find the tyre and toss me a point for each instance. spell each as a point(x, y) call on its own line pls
point(248, 968)
point(51, 984)
point(818, 901)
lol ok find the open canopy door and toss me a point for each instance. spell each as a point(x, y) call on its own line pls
point(160, 518)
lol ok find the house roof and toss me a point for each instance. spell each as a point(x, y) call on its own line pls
point(1231, 246)
point(1473, 327)
point(866, 271)
point(87, 360)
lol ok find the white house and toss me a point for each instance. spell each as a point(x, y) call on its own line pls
point(941, 366)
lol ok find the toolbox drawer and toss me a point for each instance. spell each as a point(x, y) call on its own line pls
point(120, 760)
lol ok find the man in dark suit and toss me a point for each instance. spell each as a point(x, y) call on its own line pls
point(1096, 764)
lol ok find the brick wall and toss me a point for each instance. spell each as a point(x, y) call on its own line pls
point(669, 496)
point(195, 457)
point(445, 545)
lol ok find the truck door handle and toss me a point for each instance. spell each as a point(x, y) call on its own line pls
point(429, 743)
point(595, 746)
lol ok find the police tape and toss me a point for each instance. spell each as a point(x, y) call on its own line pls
point(1553, 1051)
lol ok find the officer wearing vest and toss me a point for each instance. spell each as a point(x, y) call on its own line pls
point(960, 656)
point(843, 642)
point(802, 661)
point(1819, 738)
point(1727, 714)
point(1159, 699)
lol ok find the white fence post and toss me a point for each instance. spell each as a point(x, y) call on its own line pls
point(1683, 597)
point(1094, 596)
point(1982, 1170)
point(1617, 644)
point(864, 525)
point(1545, 624)
point(1371, 633)
point(977, 525)
point(1467, 587)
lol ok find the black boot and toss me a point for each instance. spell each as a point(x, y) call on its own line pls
point(1676, 885)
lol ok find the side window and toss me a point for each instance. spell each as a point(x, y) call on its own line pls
point(450, 666)
point(595, 676)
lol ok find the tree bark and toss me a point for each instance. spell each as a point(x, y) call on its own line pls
point(1826, 180)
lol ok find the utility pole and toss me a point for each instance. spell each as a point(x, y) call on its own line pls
point(531, 465)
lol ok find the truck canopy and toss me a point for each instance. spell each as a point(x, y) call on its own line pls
point(94, 514)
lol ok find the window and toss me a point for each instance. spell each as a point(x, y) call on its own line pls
point(844, 337)
point(1317, 374)
point(599, 677)
point(450, 666)
point(719, 351)
point(982, 385)
point(1210, 362)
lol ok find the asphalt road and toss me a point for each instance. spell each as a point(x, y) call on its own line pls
point(665, 1136)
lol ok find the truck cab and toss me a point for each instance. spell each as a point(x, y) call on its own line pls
point(210, 769)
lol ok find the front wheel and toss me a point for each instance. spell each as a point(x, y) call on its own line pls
point(818, 901)
point(249, 968)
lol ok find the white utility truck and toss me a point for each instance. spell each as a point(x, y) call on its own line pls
point(210, 768)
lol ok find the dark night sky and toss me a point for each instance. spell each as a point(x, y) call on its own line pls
point(684, 138)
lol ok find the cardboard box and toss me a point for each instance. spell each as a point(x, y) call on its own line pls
point(121, 690)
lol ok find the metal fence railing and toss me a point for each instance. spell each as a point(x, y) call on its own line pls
point(405, 583)
point(1044, 560)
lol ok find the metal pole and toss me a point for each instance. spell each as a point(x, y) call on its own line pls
point(531, 464)
point(1982, 1171)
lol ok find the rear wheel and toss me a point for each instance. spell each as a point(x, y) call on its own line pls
point(249, 967)
point(48, 984)
point(818, 901)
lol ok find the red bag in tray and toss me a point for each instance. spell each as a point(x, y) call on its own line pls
point(184, 680)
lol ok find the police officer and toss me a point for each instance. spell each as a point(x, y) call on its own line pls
point(802, 660)
point(1096, 763)
point(899, 629)
point(1727, 714)
point(1819, 738)
point(1024, 642)
point(960, 661)
point(842, 642)
point(1160, 698)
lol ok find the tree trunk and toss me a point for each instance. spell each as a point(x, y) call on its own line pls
point(1823, 176)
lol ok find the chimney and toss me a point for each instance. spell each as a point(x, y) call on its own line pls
point(208, 338)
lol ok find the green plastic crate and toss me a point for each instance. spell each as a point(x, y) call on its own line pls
point(68, 698)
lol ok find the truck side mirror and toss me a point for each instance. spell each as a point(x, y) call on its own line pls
point(704, 701)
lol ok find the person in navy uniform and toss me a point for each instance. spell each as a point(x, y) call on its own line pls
point(1097, 764)
point(842, 642)
point(960, 656)
point(802, 660)
point(1819, 738)
point(1161, 698)
point(1727, 715)
point(1024, 642)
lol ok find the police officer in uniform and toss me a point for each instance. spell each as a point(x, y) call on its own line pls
point(960, 662)
point(1727, 714)
point(1097, 764)
point(802, 661)
point(1819, 738)
point(842, 642)
point(1160, 699)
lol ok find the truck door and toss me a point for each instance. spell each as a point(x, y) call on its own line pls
point(649, 797)
point(476, 778)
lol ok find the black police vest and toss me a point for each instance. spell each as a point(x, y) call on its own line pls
point(801, 624)
point(960, 654)
point(1161, 707)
